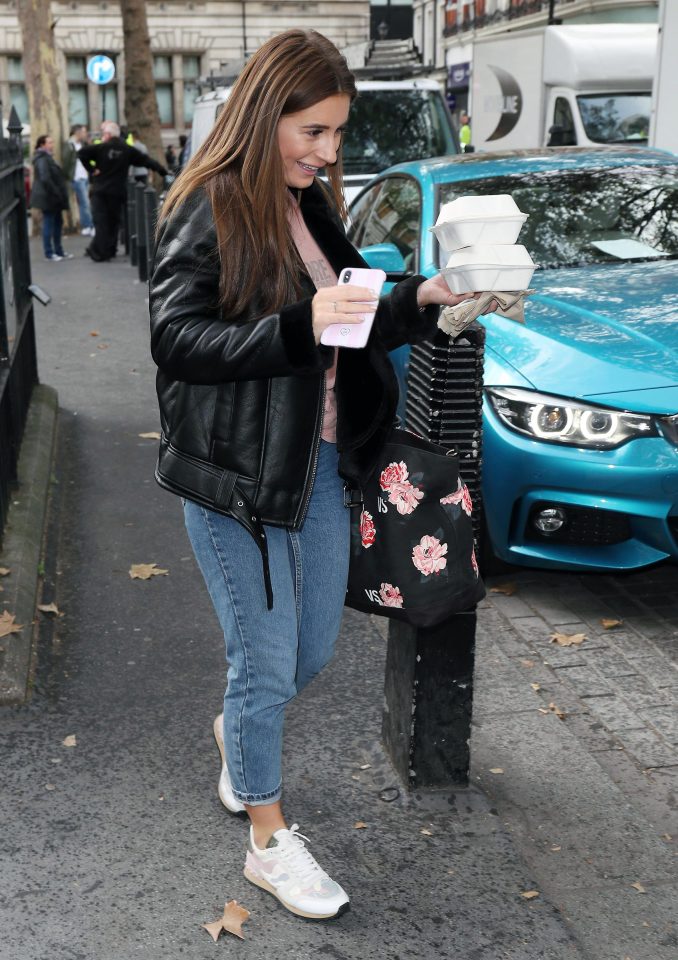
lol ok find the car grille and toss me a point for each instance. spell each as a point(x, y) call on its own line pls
point(584, 526)
point(445, 401)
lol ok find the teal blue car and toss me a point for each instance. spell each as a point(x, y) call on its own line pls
point(580, 413)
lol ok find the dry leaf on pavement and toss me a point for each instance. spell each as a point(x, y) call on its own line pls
point(232, 920)
point(49, 608)
point(94, 333)
point(610, 624)
point(496, 769)
point(530, 894)
point(535, 686)
point(426, 833)
point(7, 624)
point(568, 639)
point(639, 887)
point(144, 571)
point(527, 663)
point(152, 435)
point(556, 849)
point(359, 825)
point(508, 589)
point(5, 571)
point(70, 741)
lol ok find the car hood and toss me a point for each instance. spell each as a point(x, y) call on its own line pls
point(609, 332)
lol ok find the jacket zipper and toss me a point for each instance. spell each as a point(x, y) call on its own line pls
point(316, 452)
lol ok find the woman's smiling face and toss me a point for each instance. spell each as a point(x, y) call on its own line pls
point(309, 140)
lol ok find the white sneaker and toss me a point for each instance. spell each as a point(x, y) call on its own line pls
point(86, 232)
point(53, 256)
point(225, 789)
point(288, 871)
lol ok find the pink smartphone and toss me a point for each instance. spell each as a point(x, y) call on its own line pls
point(354, 334)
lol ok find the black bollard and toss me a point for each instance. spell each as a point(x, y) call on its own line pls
point(130, 206)
point(142, 239)
point(428, 687)
point(150, 221)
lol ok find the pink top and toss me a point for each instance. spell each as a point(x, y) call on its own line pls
point(322, 275)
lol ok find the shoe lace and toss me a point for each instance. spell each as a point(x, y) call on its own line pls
point(297, 858)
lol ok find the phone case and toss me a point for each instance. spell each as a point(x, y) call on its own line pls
point(354, 334)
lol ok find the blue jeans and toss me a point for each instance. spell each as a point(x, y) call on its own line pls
point(273, 654)
point(51, 232)
point(81, 191)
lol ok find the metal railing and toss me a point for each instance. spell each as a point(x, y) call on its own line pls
point(18, 361)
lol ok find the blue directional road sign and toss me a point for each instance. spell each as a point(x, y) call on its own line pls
point(100, 69)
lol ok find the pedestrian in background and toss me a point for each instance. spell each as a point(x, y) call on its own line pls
point(50, 195)
point(249, 247)
point(78, 176)
point(464, 131)
point(184, 150)
point(171, 158)
point(111, 158)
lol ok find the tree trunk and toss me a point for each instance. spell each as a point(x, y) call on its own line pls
point(141, 107)
point(40, 70)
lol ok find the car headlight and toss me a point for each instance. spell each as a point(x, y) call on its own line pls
point(563, 420)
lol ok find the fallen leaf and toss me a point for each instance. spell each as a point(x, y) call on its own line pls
point(667, 836)
point(94, 333)
point(530, 894)
point(508, 589)
point(427, 833)
point(359, 825)
point(214, 929)
point(638, 886)
point(543, 710)
point(49, 608)
point(365, 766)
point(354, 776)
point(568, 639)
point(496, 769)
point(558, 712)
point(609, 624)
point(7, 624)
point(231, 921)
point(153, 435)
point(102, 346)
point(144, 571)
point(527, 663)
point(535, 686)
point(556, 849)
point(70, 741)
point(5, 571)
point(50, 786)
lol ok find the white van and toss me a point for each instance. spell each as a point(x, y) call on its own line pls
point(391, 121)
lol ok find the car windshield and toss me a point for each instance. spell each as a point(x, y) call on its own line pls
point(392, 126)
point(624, 117)
point(581, 217)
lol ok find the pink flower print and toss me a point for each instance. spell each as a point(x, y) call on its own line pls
point(405, 497)
point(429, 555)
point(462, 496)
point(390, 595)
point(394, 473)
point(367, 531)
point(474, 563)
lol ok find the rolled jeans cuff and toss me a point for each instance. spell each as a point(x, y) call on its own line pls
point(259, 799)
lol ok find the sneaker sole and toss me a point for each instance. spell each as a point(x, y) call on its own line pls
point(264, 885)
point(238, 812)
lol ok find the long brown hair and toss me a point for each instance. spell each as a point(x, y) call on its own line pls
point(241, 168)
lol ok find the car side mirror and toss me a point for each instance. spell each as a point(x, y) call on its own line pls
point(386, 257)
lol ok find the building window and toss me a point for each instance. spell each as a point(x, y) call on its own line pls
point(78, 111)
point(191, 73)
point(162, 73)
point(18, 98)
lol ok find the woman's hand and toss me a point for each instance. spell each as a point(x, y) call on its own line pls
point(341, 304)
point(436, 290)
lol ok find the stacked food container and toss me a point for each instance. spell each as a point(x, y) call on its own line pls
point(479, 234)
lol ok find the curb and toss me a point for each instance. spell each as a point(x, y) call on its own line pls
point(22, 543)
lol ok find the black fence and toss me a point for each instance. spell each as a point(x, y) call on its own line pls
point(18, 363)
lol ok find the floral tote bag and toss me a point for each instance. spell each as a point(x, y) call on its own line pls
point(412, 555)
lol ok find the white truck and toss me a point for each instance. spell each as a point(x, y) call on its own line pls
point(563, 85)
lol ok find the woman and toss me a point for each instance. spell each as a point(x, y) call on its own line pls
point(261, 421)
point(49, 194)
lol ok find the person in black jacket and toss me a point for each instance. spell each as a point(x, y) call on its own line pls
point(261, 422)
point(109, 163)
point(49, 194)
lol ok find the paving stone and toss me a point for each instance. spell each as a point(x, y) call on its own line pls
point(608, 663)
point(639, 691)
point(584, 681)
point(616, 716)
point(649, 749)
point(664, 719)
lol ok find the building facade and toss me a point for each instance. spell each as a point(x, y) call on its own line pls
point(189, 39)
point(444, 30)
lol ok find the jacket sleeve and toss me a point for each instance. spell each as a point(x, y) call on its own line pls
point(139, 159)
point(49, 173)
point(87, 154)
point(400, 320)
point(191, 340)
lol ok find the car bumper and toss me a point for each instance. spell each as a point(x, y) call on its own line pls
point(621, 505)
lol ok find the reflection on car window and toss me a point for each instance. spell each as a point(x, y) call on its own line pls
point(396, 218)
point(571, 213)
point(616, 119)
point(391, 126)
point(360, 211)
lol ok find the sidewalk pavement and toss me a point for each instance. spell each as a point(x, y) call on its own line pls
point(118, 848)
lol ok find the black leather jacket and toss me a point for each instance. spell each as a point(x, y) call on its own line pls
point(241, 401)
